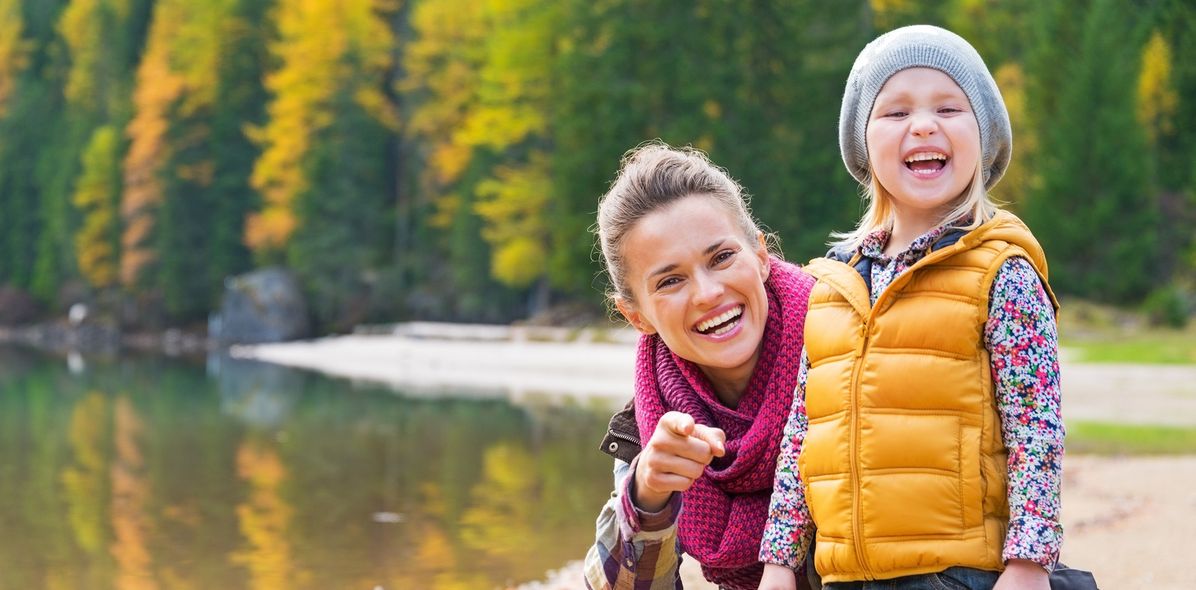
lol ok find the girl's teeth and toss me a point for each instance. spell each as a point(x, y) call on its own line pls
point(925, 156)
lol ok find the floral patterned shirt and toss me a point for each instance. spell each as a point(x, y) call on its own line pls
point(1022, 339)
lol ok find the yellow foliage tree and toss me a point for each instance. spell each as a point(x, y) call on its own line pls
point(131, 495)
point(14, 51)
point(96, 197)
point(264, 518)
point(85, 481)
point(1016, 183)
point(176, 79)
point(511, 118)
point(1157, 97)
point(514, 203)
point(323, 48)
point(83, 25)
point(443, 64)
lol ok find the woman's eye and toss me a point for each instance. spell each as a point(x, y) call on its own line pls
point(667, 282)
point(723, 256)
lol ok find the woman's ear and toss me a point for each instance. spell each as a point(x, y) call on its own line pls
point(633, 317)
point(762, 253)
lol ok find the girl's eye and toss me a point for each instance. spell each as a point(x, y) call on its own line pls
point(894, 114)
point(950, 110)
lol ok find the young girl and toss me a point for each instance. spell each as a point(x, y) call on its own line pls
point(722, 325)
point(928, 395)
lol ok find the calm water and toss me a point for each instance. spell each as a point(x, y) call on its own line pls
point(144, 474)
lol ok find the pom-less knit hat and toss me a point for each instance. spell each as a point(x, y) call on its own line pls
point(924, 46)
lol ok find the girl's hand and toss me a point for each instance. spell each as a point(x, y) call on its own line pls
point(674, 457)
point(1021, 574)
point(778, 577)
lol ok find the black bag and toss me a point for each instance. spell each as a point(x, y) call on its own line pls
point(1065, 578)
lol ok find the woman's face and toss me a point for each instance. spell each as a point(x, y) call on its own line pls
point(696, 280)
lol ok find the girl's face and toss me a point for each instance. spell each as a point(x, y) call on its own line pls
point(923, 143)
point(696, 280)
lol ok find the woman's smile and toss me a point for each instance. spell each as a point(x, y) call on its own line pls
point(722, 323)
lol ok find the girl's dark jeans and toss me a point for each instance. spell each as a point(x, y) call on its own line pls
point(955, 578)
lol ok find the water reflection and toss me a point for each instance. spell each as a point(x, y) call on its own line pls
point(145, 474)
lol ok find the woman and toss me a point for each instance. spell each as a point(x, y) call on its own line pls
point(721, 323)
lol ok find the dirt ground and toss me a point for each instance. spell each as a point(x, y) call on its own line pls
point(1129, 520)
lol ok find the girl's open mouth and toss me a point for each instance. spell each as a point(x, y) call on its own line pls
point(722, 323)
point(927, 164)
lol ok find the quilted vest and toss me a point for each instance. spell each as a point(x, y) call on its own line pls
point(903, 464)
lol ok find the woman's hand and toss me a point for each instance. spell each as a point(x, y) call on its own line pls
point(674, 457)
point(778, 577)
point(1022, 574)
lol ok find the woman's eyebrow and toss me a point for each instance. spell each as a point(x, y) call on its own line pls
point(673, 266)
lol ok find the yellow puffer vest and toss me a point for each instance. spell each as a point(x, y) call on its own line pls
point(903, 464)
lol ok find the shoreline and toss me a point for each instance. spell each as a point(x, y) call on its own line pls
point(599, 364)
point(485, 360)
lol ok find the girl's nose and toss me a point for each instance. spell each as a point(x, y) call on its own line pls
point(922, 124)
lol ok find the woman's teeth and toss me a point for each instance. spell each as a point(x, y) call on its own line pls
point(707, 327)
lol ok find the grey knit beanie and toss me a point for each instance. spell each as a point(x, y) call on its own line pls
point(924, 46)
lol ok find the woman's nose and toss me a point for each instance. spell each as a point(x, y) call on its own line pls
point(707, 289)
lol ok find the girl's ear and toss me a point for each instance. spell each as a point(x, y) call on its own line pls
point(762, 254)
point(635, 318)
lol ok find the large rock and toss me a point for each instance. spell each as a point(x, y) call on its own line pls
point(17, 308)
point(262, 306)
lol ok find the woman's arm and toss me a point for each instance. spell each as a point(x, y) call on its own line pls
point(1022, 339)
point(633, 548)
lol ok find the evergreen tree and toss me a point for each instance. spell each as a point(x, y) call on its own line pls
point(1094, 208)
point(1173, 115)
point(187, 172)
point(100, 40)
point(756, 84)
point(20, 110)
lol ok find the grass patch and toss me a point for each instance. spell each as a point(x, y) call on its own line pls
point(1148, 347)
point(1094, 333)
point(1108, 438)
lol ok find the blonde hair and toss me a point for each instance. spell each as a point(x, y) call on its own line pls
point(652, 176)
point(974, 205)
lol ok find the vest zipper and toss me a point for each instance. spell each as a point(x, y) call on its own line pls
point(857, 537)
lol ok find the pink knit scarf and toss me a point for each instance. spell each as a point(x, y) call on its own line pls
point(724, 512)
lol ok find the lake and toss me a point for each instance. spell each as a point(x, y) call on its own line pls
point(157, 473)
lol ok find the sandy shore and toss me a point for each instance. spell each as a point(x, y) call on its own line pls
point(492, 360)
point(1127, 519)
point(513, 364)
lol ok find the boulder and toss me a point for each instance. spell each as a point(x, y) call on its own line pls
point(17, 308)
point(265, 305)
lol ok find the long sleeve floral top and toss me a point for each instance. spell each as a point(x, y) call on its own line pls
point(1022, 339)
